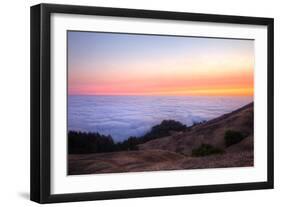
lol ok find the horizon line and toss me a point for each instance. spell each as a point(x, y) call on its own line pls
point(231, 95)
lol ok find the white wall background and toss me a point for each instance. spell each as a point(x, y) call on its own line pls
point(14, 102)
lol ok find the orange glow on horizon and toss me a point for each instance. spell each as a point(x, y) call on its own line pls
point(210, 84)
point(181, 92)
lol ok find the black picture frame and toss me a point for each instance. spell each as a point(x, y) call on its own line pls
point(40, 184)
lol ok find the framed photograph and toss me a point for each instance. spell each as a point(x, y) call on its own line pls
point(133, 103)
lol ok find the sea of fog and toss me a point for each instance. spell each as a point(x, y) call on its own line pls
point(124, 116)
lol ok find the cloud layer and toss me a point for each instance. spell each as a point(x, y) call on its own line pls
point(125, 116)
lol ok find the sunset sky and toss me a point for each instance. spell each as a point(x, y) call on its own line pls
point(129, 64)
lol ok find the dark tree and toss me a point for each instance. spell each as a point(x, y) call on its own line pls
point(82, 142)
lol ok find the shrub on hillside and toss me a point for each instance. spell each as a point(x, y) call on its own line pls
point(205, 150)
point(163, 129)
point(232, 137)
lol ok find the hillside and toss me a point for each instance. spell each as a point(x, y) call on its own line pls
point(211, 132)
point(175, 151)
